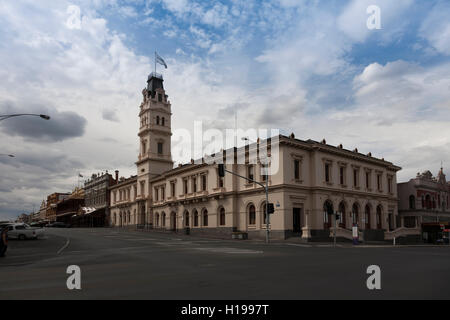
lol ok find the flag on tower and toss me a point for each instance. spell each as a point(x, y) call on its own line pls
point(160, 60)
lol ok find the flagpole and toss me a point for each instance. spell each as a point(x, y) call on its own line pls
point(155, 62)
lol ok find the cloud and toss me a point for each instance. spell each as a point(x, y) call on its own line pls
point(110, 115)
point(436, 28)
point(353, 19)
point(61, 126)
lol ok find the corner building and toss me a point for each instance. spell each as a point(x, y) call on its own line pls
point(314, 180)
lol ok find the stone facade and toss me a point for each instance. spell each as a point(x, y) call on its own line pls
point(314, 181)
point(425, 202)
point(52, 201)
point(96, 198)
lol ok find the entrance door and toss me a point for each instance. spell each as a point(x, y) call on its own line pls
point(297, 220)
point(173, 221)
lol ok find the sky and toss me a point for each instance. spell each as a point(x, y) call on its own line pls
point(312, 67)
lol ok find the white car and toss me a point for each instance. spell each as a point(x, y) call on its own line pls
point(23, 231)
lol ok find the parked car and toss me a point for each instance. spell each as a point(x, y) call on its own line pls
point(38, 224)
point(23, 231)
point(57, 225)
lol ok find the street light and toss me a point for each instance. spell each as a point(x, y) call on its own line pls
point(7, 155)
point(7, 116)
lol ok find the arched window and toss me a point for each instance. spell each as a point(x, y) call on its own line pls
point(251, 215)
point(367, 216)
point(163, 121)
point(379, 217)
point(115, 219)
point(157, 219)
point(186, 219)
point(163, 219)
point(328, 211)
point(412, 202)
point(343, 214)
point(263, 213)
point(205, 218)
point(157, 120)
point(355, 214)
point(195, 218)
point(222, 217)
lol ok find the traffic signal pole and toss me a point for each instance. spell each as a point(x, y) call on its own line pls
point(222, 171)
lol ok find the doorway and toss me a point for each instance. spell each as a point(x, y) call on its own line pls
point(297, 221)
point(173, 221)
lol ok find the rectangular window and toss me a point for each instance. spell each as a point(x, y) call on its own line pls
point(250, 172)
point(297, 169)
point(163, 193)
point(172, 189)
point(367, 180)
point(194, 184)
point(160, 148)
point(379, 182)
point(327, 172)
point(156, 194)
point(342, 176)
point(204, 183)
point(355, 178)
point(220, 180)
point(159, 97)
point(390, 185)
point(185, 186)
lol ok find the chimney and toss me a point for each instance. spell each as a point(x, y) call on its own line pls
point(117, 176)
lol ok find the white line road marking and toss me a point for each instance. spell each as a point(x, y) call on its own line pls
point(65, 246)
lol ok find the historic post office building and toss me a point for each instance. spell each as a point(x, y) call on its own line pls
point(314, 181)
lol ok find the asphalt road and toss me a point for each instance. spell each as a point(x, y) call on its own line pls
point(119, 264)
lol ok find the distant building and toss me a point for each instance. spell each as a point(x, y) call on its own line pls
point(123, 199)
point(43, 211)
point(425, 203)
point(69, 206)
point(25, 218)
point(95, 212)
point(52, 201)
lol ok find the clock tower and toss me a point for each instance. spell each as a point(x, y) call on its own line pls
point(154, 137)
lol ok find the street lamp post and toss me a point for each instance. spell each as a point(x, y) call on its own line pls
point(7, 155)
point(7, 116)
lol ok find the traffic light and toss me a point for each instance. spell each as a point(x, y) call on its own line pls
point(271, 208)
point(221, 170)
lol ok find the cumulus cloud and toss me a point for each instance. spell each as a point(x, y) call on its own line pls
point(110, 115)
point(436, 28)
point(61, 126)
point(292, 64)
